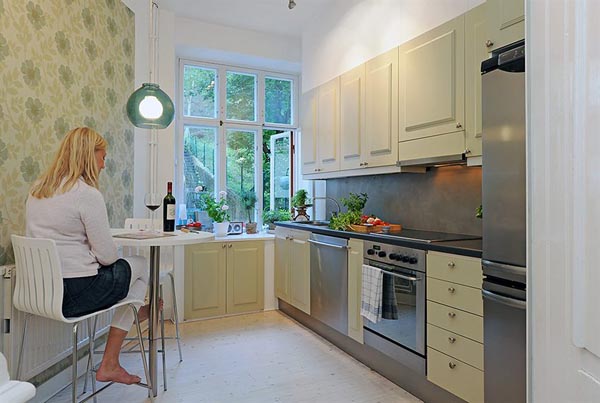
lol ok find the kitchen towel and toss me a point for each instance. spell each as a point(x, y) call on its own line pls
point(372, 284)
point(389, 304)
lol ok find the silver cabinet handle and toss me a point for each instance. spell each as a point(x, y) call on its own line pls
point(458, 125)
point(362, 164)
point(451, 265)
point(451, 290)
point(223, 246)
point(489, 43)
point(327, 244)
point(230, 245)
point(451, 314)
point(451, 340)
point(451, 365)
point(515, 303)
point(366, 163)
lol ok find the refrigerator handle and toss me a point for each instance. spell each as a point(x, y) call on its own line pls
point(514, 303)
point(515, 273)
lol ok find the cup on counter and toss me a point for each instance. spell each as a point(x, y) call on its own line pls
point(385, 229)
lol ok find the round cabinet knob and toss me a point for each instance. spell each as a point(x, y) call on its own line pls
point(223, 246)
point(451, 265)
point(451, 314)
point(412, 260)
point(451, 340)
point(489, 43)
point(370, 252)
point(230, 245)
point(451, 290)
point(458, 125)
point(451, 365)
point(365, 164)
point(382, 254)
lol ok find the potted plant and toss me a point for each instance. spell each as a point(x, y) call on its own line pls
point(218, 210)
point(248, 202)
point(270, 216)
point(301, 199)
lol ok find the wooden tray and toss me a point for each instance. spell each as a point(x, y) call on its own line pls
point(374, 228)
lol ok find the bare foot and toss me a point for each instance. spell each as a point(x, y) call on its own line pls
point(144, 312)
point(117, 374)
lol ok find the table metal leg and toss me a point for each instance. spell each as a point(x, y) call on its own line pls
point(153, 319)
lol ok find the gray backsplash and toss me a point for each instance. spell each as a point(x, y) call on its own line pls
point(442, 199)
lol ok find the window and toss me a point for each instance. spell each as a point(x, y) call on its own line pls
point(236, 135)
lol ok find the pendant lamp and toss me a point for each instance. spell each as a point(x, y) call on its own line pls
point(149, 107)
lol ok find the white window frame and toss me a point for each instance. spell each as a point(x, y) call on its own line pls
point(222, 124)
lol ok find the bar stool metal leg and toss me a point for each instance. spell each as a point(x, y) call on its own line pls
point(162, 339)
point(20, 359)
point(176, 315)
point(74, 359)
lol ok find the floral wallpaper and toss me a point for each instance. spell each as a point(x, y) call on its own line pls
point(63, 64)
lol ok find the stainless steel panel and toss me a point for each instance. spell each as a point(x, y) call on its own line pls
point(503, 177)
point(329, 281)
point(504, 348)
point(405, 357)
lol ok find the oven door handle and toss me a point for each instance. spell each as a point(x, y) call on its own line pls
point(327, 244)
point(401, 276)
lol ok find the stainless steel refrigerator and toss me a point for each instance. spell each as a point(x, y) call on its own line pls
point(504, 224)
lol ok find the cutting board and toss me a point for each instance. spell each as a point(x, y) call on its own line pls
point(375, 228)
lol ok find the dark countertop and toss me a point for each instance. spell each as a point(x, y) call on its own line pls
point(466, 248)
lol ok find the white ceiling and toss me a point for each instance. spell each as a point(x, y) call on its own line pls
point(271, 16)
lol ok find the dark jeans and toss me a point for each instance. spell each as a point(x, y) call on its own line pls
point(84, 295)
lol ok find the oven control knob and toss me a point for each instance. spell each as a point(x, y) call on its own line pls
point(393, 256)
point(399, 257)
point(412, 260)
point(405, 258)
point(381, 254)
point(370, 252)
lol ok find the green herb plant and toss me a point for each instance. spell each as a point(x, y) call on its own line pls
point(300, 198)
point(479, 211)
point(355, 202)
point(248, 201)
point(217, 209)
point(270, 216)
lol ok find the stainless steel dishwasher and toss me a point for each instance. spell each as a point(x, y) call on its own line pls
point(329, 281)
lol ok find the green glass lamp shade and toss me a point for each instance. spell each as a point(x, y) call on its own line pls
point(149, 107)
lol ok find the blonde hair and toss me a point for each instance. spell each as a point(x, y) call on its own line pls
point(75, 159)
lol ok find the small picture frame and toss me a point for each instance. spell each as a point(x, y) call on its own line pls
point(235, 228)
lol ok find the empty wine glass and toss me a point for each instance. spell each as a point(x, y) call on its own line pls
point(152, 202)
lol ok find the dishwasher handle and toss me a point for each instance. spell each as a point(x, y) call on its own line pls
point(330, 245)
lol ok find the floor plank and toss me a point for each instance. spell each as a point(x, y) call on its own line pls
point(262, 357)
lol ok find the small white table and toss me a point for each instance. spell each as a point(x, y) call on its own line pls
point(180, 238)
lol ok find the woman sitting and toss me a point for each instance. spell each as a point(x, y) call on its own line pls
point(65, 205)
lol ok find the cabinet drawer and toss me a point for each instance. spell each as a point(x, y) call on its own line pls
point(459, 296)
point(456, 377)
point(456, 346)
point(457, 269)
point(455, 320)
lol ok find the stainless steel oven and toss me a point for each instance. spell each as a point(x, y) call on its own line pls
point(401, 331)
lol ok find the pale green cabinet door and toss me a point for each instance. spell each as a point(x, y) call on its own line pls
point(505, 22)
point(328, 126)
point(205, 271)
point(299, 254)
point(355, 261)
point(308, 132)
point(432, 89)
point(245, 276)
point(475, 52)
point(382, 109)
point(353, 135)
point(282, 258)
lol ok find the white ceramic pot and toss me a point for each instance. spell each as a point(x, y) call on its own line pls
point(221, 228)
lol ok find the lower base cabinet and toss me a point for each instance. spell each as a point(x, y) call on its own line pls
point(455, 325)
point(292, 267)
point(223, 278)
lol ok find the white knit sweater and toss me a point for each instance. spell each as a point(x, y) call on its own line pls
point(77, 220)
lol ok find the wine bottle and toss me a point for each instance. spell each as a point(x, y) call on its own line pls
point(169, 209)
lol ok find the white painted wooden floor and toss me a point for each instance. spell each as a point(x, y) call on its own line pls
point(262, 357)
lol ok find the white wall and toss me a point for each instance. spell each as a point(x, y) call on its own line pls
point(357, 30)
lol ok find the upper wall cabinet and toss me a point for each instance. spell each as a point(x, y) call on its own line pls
point(382, 109)
point(432, 93)
point(320, 129)
point(505, 22)
point(475, 53)
point(353, 135)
